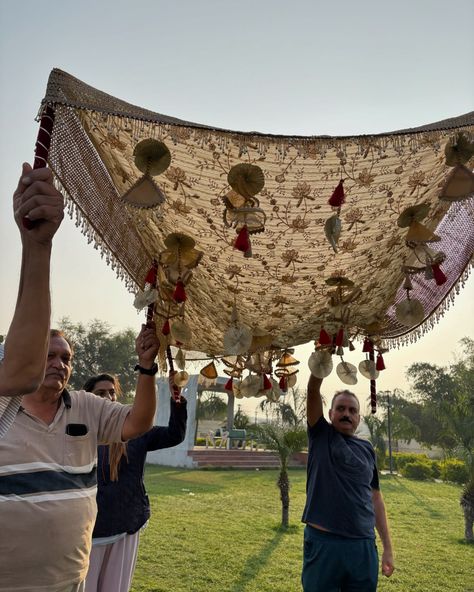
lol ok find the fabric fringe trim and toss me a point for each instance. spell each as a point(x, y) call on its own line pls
point(313, 147)
point(412, 335)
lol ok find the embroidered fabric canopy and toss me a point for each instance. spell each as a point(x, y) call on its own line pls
point(280, 291)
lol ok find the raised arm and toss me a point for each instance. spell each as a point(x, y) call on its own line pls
point(140, 418)
point(26, 346)
point(381, 524)
point(314, 403)
point(172, 434)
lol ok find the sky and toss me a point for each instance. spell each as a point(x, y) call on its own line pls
point(304, 67)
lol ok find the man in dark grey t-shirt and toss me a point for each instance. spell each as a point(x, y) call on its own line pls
point(343, 501)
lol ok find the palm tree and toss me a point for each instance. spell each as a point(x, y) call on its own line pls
point(285, 440)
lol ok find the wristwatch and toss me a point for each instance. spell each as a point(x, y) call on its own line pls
point(149, 371)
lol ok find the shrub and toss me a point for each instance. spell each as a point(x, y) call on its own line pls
point(454, 470)
point(400, 459)
point(200, 441)
point(420, 470)
point(436, 468)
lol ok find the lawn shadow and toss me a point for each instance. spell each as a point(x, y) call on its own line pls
point(254, 564)
point(395, 483)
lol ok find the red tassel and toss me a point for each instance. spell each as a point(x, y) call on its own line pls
point(283, 383)
point(339, 337)
point(152, 274)
point(337, 198)
point(179, 294)
point(438, 274)
point(267, 385)
point(229, 385)
point(380, 365)
point(166, 327)
point(242, 242)
point(368, 346)
point(324, 337)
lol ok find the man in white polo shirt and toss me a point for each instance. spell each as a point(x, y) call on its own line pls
point(48, 481)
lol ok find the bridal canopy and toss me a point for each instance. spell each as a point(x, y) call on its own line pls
point(304, 263)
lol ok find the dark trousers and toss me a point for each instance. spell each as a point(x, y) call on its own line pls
point(332, 563)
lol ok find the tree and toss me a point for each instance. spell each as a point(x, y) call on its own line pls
point(292, 411)
point(285, 440)
point(241, 420)
point(448, 395)
point(97, 349)
point(212, 407)
point(377, 432)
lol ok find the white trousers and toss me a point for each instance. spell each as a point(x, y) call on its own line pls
point(111, 566)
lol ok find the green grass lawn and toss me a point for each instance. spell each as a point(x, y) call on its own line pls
point(218, 531)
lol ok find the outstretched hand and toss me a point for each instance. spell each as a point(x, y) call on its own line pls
point(37, 199)
point(147, 345)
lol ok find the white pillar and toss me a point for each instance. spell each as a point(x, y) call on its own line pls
point(178, 455)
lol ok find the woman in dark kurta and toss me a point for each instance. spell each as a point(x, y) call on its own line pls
point(123, 506)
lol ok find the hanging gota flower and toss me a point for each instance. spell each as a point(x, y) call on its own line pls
point(242, 211)
point(145, 298)
point(209, 371)
point(347, 373)
point(332, 230)
point(237, 389)
point(180, 251)
point(368, 370)
point(179, 257)
point(459, 150)
point(180, 331)
point(320, 363)
point(287, 376)
point(260, 362)
point(287, 359)
point(274, 393)
point(459, 185)
point(261, 339)
point(333, 225)
point(238, 337)
point(152, 158)
point(410, 312)
point(180, 359)
point(181, 378)
point(411, 218)
point(246, 179)
point(251, 385)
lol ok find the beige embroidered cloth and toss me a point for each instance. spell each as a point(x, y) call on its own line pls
point(282, 288)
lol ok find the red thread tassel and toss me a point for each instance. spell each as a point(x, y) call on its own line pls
point(368, 346)
point(179, 294)
point(151, 276)
point(166, 327)
point(338, 198)
point(339, 337)
point(283, 384)
point(380, 365)
point(438, 274)
point(324, 337)
point(242, 242)
point(229, 385)
point(267, 385)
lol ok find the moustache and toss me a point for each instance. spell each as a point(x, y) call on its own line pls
point(346, 420)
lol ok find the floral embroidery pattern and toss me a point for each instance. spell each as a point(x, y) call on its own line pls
point(282, 286)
